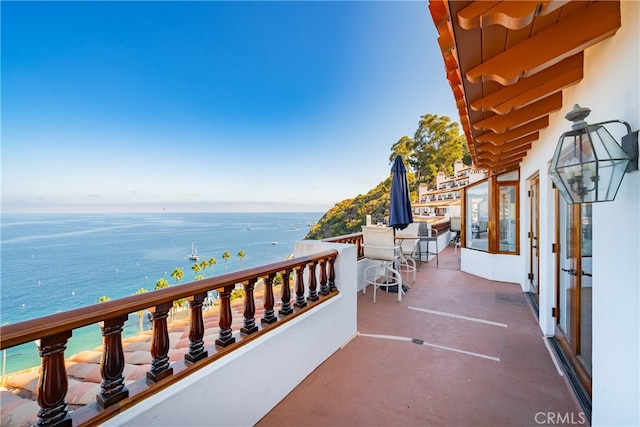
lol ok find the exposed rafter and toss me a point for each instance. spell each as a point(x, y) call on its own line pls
point(507, 63)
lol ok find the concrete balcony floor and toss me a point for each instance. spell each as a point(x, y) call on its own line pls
point(478, 359)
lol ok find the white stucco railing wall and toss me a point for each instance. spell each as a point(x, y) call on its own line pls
point(500, 267)
point(239, 389)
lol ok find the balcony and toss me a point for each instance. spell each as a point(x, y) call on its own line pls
point(457, 350)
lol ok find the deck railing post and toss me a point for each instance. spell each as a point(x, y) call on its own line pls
point(313, 284)
point(160, 343)
point(196, 329)
point(269, 316)
point(225, 336)
point(53, 382)
point(332, 275)
point(112, 388)
point(249, 323)
point(300, 301)
point(324, 289)
point(285, 308)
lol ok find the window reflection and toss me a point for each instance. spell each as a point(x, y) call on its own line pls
point(477, 216)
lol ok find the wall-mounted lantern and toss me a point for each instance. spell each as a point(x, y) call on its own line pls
point(588, 164)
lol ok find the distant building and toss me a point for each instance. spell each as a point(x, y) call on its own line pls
point(444, 199)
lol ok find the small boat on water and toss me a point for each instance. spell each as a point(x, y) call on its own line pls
point(194, 253)
point(274, 243)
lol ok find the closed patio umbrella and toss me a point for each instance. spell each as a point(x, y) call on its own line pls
point(400, 215)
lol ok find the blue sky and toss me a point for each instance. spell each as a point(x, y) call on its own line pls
point(209, 106)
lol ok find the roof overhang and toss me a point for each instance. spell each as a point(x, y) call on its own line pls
point(507, 63)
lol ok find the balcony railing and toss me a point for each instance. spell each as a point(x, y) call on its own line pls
point(353, 239)
point(313, 283)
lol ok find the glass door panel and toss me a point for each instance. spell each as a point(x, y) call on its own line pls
point(566, 264)
point(534, 244)
point(585, 289)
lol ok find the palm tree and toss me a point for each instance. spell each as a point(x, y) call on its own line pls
point(204, 264)
point(140, 312)
point(161, 284)
point(241, 255)
point(212, 262)
point(102, 299)
point(196, 269)
point(177, 274)
point(225, 256)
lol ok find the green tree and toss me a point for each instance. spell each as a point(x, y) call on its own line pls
point(177, 274)
point(241, 255)
point(212, 262)
point(438, 145)
point(225, 257)
point(403, 148)
point(141, 312)
point(161, 284)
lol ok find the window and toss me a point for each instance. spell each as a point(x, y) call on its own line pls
point(491, 214)
point(477, 216)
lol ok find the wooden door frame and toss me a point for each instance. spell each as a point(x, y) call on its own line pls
point(571, 348)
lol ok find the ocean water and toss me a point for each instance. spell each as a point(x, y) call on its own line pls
point(56, 262)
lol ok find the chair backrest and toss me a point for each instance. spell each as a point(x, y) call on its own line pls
point(409, 245)
point(455, 223)
point(423, 229)
point(412, 229)
point(378, 243)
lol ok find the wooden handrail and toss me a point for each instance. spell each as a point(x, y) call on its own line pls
point(354, 239)
point(30, 330)
point(52, 333)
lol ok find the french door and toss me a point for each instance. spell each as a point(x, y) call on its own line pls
point(573, 287)
point(533, 233)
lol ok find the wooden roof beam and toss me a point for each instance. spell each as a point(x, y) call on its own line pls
point(514, 15)
point(499, 139)
point(514, 119)
point(520, 144)
point(534, 88)
point(579, 30)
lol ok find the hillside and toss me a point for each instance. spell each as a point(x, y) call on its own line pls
point(348, 216)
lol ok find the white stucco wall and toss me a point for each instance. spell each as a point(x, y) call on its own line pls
point(611, 89)
point(262, 372)
point(500, 267)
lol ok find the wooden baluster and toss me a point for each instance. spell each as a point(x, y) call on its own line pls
point(53, 382)
point(112, 388)
point(324, 289)
point(160, 344)
point(249, 323)
point(313, 284)
point(300, 301)
point(225, 337)
point(285, 308)
point(332, 276)
point(196, 330)
point(269, 316)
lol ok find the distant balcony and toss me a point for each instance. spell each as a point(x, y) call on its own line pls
point(457, 350)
